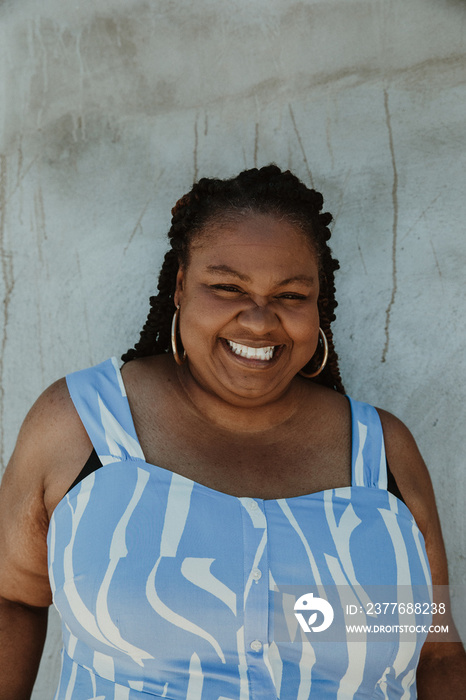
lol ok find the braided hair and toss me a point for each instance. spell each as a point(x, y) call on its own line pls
point(267, 190)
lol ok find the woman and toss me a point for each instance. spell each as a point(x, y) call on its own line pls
point(267, 475)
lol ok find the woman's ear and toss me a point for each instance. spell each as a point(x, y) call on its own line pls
point(179, 286)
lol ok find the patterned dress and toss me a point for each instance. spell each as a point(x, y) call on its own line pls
point(166, 587)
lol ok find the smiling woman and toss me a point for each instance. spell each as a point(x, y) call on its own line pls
point(249, 319)
point(222, 464)
point(254, 207)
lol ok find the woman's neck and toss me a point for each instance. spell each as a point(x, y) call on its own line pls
point(243, 418)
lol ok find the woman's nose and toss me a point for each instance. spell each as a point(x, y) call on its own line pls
point(259, 318)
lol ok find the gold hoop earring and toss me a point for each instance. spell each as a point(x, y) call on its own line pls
point(323, 337)
point(176, 354)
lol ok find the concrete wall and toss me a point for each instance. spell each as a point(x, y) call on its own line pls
point(110, 110)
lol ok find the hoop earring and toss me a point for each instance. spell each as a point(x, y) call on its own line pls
point(323, 337)
point(179, 360)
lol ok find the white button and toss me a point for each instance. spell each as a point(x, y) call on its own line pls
point(256, 574)
point(256, 645)
point(253, 505)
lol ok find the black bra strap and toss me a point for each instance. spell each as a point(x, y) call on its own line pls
point(392, 486)
point(92, 464)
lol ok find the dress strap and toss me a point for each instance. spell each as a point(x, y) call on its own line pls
point(368, 458)
point(99, 396)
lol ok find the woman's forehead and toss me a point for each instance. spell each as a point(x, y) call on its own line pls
point(254, 232)
point(254, 245)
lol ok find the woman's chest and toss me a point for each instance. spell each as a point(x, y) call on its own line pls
point(278, 464)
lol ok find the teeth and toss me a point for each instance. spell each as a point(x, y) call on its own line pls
point(252, 353)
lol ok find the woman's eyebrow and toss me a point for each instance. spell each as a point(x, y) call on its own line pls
point(307, 279)
point(228, 270)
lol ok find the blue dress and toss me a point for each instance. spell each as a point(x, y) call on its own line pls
point(166, 588)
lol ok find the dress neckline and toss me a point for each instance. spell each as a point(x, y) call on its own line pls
point(342, 491)
point(352, 485)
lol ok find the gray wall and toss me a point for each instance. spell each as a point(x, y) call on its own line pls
point(110, 110)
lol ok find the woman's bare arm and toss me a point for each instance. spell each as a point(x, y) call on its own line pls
point(50, 446)
point(24, 589)
point(442, 666)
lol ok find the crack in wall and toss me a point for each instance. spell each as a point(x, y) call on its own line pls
point(84, 303)
point(388, 311)
point(421, 215)
point(20, 176)
point(298, 136)
point(138, 225)
point(196, 144)
point(256, 144)
point(362, 258)
point(39, 218)
point(329, 140)
point(436, 261)
point(8, 283)
point(79, 58)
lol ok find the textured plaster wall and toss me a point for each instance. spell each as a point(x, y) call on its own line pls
point(110, 110)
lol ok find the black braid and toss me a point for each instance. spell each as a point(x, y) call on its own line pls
point(266, 190)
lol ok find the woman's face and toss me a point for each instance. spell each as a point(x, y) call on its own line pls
point(248, 308)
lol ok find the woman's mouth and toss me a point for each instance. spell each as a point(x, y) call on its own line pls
point(263, 354)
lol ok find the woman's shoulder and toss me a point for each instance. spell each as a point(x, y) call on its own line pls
point(50, 424)
point(402, 452)
point(51, 448)
point(49, 440)
point(411, 474)
point(403, 455)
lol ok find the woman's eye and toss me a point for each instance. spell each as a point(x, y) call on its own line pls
point(299, 297)
point(225, 288)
